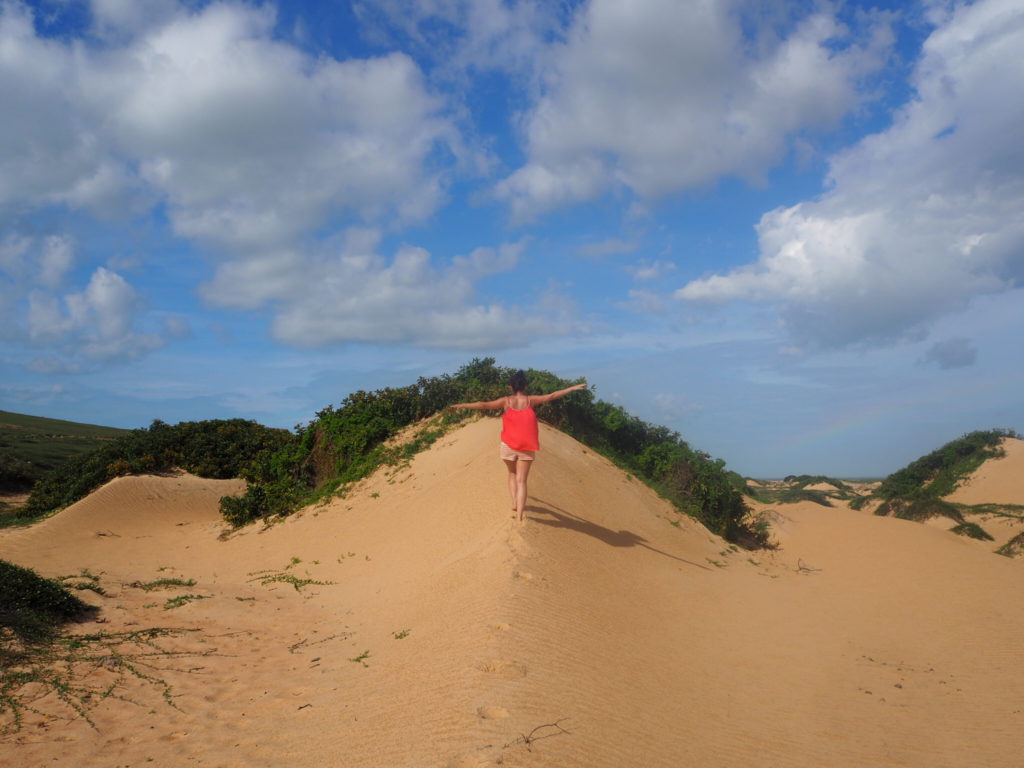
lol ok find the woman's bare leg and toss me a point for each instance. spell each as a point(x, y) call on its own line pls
point(522, 472)
point(511, 465)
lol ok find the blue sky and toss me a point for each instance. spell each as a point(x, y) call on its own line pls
point(792, 231)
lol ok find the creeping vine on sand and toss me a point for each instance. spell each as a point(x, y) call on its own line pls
point(81, 671)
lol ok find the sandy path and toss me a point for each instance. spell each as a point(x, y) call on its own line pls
point(650, 644)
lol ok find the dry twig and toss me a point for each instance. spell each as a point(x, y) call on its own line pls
point(531, 737)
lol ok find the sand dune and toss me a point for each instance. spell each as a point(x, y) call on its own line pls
point(997, 481)
point(450, 636)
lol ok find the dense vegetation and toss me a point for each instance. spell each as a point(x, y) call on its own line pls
point(794, 488)
point(31, 446)
point(218, 449)
point(915, 492)
point(344, 444)
point(32, 608)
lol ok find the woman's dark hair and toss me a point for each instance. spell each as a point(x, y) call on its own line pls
point(518, 382)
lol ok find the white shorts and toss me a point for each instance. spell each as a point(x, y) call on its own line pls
point(509, 454)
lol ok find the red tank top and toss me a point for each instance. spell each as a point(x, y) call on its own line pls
point(519, 429)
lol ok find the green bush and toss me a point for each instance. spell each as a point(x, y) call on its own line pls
point(32, 608)
point(216, 449)
point(1013, 547)
point(343, 445)
point(938, 473)
point(16, 474)
point(921, 509)
point(972, 530)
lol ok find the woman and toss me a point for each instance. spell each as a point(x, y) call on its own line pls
point(519, 434)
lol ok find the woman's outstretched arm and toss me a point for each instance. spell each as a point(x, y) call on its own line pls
point(538, 399)
point(489, 405)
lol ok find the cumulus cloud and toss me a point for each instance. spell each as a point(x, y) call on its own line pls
point(101, 322)
point(245, 138)
point(919, 217)
point(256, 150)
point(359, 295)
point(657, 97)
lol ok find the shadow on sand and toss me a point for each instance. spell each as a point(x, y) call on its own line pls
point(556, 517)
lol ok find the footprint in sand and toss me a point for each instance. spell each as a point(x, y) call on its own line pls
point(500, 626)
point(492, 713)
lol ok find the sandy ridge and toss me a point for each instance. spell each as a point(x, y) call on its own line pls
point(862, 641)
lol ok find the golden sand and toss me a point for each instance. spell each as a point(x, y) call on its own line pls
point(598, 634)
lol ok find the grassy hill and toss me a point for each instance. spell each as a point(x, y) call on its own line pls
point(31, 446)
point(342, 445)
point(917, 491)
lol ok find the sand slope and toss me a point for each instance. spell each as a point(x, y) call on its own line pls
point(997, 481)
point(863, 641)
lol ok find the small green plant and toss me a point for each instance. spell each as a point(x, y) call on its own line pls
point(401, 635)
point(361, 658)
point(149, 586)
point(270, 576)
point(85, 580)
point(180, 600)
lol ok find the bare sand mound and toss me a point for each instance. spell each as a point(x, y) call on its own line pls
point(600, 634)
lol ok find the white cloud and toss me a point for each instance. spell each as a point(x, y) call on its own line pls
point(652, 270)
point(56, 258)
point(358, 295)
point(658, 96)
point(100, 322)
point(248, 140)
point(918, 218)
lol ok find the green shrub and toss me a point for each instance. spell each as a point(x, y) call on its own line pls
point(32, 608)
point(938, 473)
point(972, 530)
point(921, 509)
point(216, 449)
point(1013, 547)
point(345, 444)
